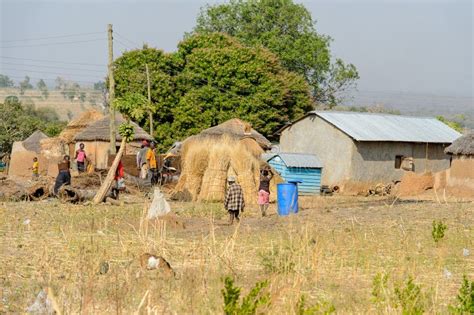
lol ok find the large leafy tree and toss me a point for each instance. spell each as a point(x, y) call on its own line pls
point(132, 93)
point(223, 79)
point(288, 30)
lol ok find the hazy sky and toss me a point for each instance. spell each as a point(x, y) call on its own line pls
point(423, 47)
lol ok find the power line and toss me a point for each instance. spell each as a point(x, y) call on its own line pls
point(52, 44)
point(128, 40)
point(49, 37)
point(54, 61)
point(123, 44)
point(49, 67)
point(47, 72)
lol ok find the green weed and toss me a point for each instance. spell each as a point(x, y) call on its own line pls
point(320, 308)
point(249, 303)
point(410, 298)
point(438, 231)
point(465, 298)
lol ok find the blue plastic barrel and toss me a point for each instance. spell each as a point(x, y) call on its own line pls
point(287, 198)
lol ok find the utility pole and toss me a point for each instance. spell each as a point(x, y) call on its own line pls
point(149, 100)
point(111, 91)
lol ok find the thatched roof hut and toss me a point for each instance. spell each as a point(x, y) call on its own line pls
point(238, 129)
point(32, 143)
point(100, 131)
point(462, 146)
point(79, 124)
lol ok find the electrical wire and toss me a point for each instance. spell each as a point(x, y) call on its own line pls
point(49, 67)
point(49, 37)
point(53, 44)
point(54, 61)
point(128, 40)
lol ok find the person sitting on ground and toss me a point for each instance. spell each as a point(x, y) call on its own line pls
point(234, 200)
point(152, 166)
point(64, 176)
point(81, 158)
point(35, 168)
point(264, 190)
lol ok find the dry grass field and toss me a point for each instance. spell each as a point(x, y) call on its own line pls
point(352, 255)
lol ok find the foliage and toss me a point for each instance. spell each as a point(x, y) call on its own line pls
point(41, 85)
point(410, 298)
point(465, 298)
point(438, 231)
point(453, 124)
point(380, 288)
point(249, 303)
point(288, 30)
point(323, 308)
point(25, 85)
point(210, 79)
point(126, 130)
point(5, 81)
point(100, 86)
point(17, 122)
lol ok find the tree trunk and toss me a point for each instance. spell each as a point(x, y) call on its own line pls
point(99, 197)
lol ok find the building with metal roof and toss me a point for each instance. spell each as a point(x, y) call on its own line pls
point(303, 168)
point(369, 147)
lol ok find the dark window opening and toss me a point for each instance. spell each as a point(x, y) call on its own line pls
point(398, 161)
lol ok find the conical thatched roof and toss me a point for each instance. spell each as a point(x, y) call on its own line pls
point(79, 124)
point(100, 131)
point(33, 142)
point(462, 146)
point(238, 129)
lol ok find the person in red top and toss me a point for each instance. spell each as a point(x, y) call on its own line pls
point(119, 181)
point(81, 158)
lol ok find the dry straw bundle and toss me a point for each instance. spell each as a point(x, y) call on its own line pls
point(194, 165)
point(245, 164)
point(214, 180)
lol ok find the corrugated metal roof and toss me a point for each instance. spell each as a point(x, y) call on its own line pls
point(384, 127)
point(296, 159)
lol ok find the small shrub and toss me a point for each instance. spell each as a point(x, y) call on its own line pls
point(410, 298)
point(380, 288)
point(465, 298)
point(438, 231)
point(278, 261)
point(320, 308)
point(249, 304)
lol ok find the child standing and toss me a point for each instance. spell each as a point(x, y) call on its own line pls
point(35, 168)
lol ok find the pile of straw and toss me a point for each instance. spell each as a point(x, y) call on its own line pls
point(208, 161)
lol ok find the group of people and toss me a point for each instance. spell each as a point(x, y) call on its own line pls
point(234, 201)
point(146, 162)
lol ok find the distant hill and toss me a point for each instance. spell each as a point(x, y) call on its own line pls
point(67, 109)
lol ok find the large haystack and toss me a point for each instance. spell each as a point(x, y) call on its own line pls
point(23, 153)
point(211, 156)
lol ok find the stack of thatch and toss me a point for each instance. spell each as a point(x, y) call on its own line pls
point(208, 159)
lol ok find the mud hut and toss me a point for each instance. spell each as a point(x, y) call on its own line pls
point(96, 139)
point(460, 175)
point(23, 153)
point(53, 149)
point(207, 159)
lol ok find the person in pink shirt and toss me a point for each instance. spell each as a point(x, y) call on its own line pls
point(81, 158)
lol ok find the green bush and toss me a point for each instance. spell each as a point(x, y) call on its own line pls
point(465, 298)
point(438, 231)
point(320, 308)
point(410, 298)
point(249, 303)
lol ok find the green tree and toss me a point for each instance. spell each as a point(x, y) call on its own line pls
point(288, 30)
point(18, 122)
point(131, 89)
point(5, 81)
point(223, 79)
point(99, 86)
point(41, 85)
point(25, 85)
point(453, 124)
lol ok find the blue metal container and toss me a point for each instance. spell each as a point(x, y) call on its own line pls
point(287, 198)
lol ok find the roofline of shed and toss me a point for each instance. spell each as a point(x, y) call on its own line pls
point(289, 124)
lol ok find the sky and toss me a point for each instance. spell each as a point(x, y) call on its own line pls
point(419, 47)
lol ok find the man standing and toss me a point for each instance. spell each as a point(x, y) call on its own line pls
point(234, 200)
point(81, 158)
point(151, 162)
point(64, 176)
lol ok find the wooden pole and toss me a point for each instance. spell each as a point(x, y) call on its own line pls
point(111, 91)
point(104, 188)
point(149, 100)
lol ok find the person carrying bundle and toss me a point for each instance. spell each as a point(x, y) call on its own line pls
point(234, 201)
